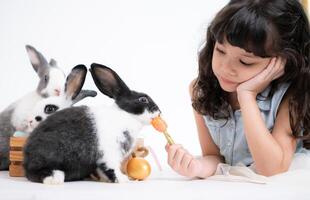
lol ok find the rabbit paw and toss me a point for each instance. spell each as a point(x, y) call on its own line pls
point(121, 178)
point(57, 178)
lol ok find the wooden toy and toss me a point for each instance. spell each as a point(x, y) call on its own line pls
point(135, 166)
point(138, 168)
point(16, 156)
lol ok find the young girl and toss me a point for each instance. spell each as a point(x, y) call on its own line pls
point(251, 98)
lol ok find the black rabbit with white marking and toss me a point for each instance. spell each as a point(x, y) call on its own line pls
point(75, 142)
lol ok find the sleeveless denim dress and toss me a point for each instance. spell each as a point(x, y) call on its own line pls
point(229, 135)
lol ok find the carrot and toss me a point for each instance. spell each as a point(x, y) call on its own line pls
point(160, 125)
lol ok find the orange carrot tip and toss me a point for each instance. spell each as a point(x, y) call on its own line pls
point(159, 124)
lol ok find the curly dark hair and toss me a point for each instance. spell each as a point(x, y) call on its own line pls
point(266, 28)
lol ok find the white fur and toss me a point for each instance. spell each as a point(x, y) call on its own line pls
point(57, 178)
point(23, 107)
point(55, 86)
point(110, 124)
point(62, 100)
point(38, 109)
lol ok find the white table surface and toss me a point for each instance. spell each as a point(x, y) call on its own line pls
point(161, 185)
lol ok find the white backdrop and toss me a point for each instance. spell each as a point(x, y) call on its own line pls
point(153, 45)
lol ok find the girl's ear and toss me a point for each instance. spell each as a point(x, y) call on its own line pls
point(75, 81)
point(107, 81)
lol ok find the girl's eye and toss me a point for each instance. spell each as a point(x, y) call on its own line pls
point(220, 51)
point(143, 100)
point(246, 64)
point(50, 109)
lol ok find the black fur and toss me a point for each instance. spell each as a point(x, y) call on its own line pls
point(65, 141)
point(127, 144)
point(110, 84)
point(131, 102)
point(108, 172)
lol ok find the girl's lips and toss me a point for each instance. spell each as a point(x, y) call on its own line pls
point(227, 81)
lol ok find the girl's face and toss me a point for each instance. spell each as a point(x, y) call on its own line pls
point(233, 65)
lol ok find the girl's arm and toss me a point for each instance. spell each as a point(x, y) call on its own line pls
point(272, 153)
point(187, 165)
point(210, 152)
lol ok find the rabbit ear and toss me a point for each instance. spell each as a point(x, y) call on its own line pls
point(107, 81)
point(37, 60)
point(83, 94)
point(75, 81)
point(53, 63)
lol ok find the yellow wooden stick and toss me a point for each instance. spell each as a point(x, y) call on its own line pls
point(160, 125)
point(306, 5)
point(168, 137)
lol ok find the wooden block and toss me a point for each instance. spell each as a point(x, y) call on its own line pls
point(17, 142)
point(16, 170)
point(16, 156)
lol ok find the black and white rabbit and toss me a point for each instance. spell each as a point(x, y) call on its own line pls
point(75, 142)
point(71, 95)
point(14, 117)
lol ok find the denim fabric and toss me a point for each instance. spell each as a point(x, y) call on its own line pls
point(229, 135)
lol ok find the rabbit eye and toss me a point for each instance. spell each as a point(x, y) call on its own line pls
point(143, 100)
point(50, 109)
point(46, 78)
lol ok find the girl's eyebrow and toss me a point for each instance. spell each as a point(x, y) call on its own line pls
point(245, 54)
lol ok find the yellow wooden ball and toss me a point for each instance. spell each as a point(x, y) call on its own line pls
point(138, 168)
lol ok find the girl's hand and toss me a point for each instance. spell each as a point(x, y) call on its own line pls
point(182, 162)
point(258, 83)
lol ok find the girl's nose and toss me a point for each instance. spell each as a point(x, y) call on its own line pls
point(229, 68)
point(232, 72)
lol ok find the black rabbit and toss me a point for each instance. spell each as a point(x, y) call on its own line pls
point(75, 142)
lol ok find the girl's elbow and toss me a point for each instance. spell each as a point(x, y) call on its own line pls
point(271, 172)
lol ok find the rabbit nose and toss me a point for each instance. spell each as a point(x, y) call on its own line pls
point(38, 118)
point(57, 92)
point(30, 122)
point(155, 108)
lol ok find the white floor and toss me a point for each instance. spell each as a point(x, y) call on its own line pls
point(161, 186)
